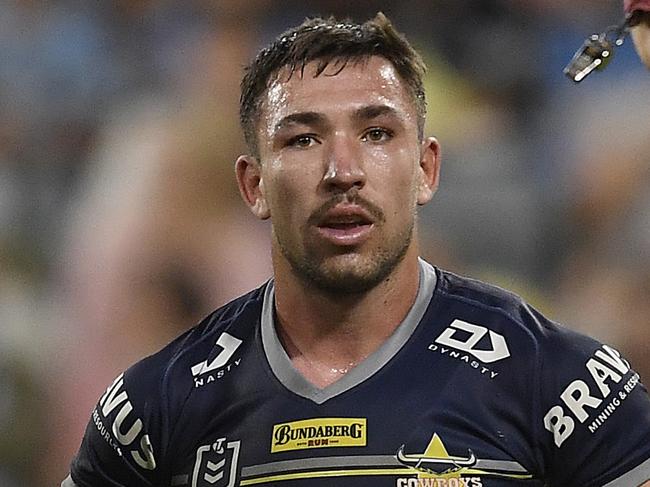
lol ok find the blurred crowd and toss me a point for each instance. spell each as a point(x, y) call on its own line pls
point(120, 220)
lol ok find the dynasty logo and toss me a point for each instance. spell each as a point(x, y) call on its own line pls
point(319, 433)
point(486, 345)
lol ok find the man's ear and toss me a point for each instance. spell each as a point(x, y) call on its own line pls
point(251, 185)
point(429, 170)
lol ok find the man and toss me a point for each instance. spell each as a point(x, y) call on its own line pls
point(358, 363)
point(641, 31)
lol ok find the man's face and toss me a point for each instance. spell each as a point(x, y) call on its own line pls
point(341, 172)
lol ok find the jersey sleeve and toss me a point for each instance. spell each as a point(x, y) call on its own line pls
point(595, 414)
point(121, 445)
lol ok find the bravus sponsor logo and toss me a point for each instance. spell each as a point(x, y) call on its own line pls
point(127, 428)
point(581, 399)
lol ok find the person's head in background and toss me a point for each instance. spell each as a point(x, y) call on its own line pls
point(641, 32)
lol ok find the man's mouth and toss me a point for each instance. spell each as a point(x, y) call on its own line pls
point(346, 225)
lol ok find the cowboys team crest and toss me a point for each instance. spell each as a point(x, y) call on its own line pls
point(436, 467)
point(216, 464)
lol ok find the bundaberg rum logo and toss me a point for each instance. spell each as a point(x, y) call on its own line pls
point(319, 433)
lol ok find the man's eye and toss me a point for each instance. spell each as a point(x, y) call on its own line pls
point(302, 141)
point(377, 135)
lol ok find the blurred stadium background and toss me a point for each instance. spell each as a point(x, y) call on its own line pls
point(120, 223)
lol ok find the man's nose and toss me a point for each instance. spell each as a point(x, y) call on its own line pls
point(344, 166)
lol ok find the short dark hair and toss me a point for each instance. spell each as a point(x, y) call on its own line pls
point(326, 41)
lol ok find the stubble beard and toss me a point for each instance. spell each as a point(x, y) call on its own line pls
point(349, 272)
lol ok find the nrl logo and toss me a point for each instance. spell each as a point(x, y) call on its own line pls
point(216, 464)
point(435, 459)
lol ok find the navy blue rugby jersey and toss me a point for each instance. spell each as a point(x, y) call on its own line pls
point(475, 388)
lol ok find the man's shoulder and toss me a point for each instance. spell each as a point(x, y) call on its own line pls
point(488, 299)
point(505, 312)
point(477, 292)
point(150, 396)
point(222, 329)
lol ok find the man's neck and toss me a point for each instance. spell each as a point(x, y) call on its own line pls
point(325, 336)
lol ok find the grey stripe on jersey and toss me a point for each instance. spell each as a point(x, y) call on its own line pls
point(285, 372)
point(636, 476)
point(287, 466)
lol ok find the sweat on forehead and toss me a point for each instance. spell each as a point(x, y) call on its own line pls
point(332, 45)
point(361, 91)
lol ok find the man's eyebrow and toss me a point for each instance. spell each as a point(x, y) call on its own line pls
point(301, 118)
point(373, 111)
